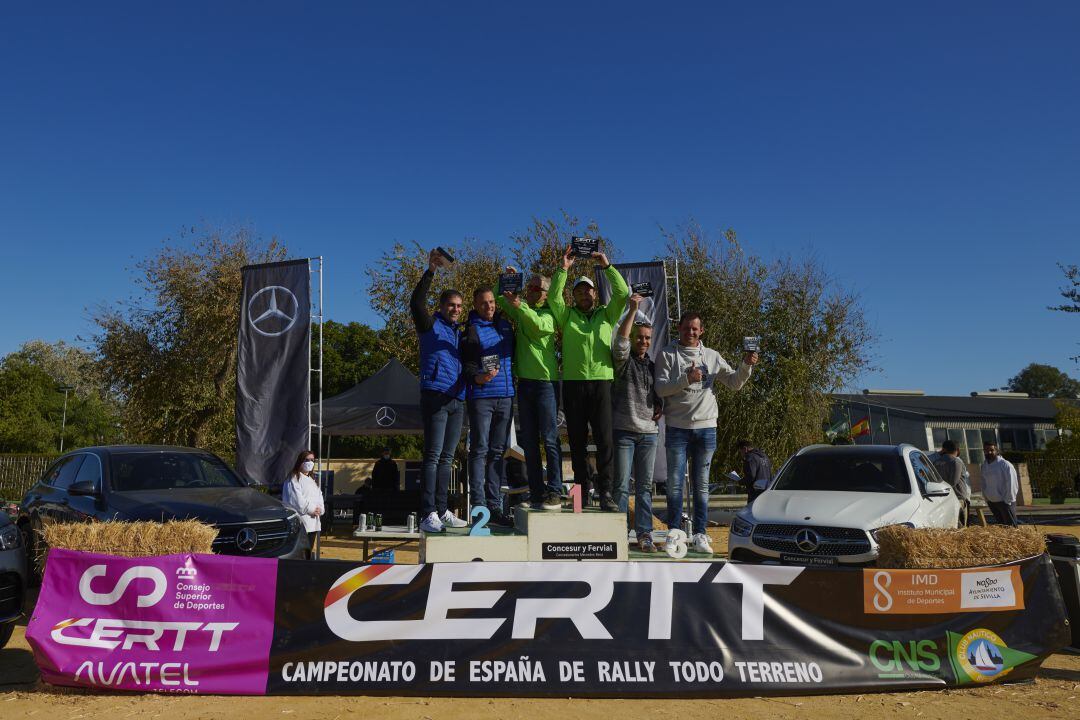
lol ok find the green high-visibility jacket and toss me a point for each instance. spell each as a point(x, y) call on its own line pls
point(586, 344)
point(534, 340)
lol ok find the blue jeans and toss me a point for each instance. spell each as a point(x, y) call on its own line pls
point(442, 417)
point(489, 431)
point(538, 420)
point(635, 452)
point(699, 445)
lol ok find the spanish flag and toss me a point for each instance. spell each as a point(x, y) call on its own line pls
point(861, 428)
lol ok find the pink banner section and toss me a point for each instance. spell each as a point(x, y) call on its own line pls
point(172, 623)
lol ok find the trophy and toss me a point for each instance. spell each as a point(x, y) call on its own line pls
point(584, 247)
point(644, 289)
point(751, 344)
point(511, 282)
point(490, 362)
point(445, 259)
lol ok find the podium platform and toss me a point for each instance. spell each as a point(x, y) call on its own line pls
point(536, 535)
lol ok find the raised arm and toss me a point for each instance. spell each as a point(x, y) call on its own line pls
point(418, 303)
point(733, 378)
point(555, 292)
point(619, 289)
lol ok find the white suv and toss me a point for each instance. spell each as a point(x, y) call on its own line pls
point(827, 503)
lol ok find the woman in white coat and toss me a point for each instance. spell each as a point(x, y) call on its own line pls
point(302, 494)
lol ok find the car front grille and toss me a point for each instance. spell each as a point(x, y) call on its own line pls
point(831, 540)
point(270, 535)
point(10, 595)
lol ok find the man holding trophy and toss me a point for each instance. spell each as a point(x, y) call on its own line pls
point(686, 372)
point(588, 370)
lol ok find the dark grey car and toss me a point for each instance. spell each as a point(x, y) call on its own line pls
point(12, 576)
point(159, 483)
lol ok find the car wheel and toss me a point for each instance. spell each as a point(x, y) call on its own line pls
point(5, 633)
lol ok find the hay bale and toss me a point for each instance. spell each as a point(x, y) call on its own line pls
point(924, 548)
point(631, 506)
point(132, 539)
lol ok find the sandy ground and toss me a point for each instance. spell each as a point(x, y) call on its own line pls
point(1054, 694)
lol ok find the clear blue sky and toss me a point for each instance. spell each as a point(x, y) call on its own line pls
point(927, 153)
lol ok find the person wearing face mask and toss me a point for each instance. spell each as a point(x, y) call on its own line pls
point(537, 371)
point(442, 395)
point(384, 475)
point(487, 351)
point(588, 369)
point(1000, 485)
point(301, 493)
point(634, 412)
point(686, 372)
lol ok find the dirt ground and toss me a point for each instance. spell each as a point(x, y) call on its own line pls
point(1054, 694)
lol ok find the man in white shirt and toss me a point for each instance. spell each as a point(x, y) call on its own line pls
point(686, 372)
point(1000, 485)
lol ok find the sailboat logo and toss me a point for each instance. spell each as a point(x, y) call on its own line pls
point(981, 656)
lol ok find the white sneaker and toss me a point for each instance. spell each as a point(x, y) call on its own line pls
point(701, 544)
point(449, 519)
point(432, 524)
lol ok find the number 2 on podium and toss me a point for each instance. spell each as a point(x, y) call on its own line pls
point(479, 527)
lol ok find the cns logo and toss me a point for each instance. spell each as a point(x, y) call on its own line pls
point(900, 659)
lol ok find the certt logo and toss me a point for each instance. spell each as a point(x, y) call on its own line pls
point(151, 584)
point(897, 658)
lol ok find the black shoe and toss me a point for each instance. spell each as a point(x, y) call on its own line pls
point(607, 504)
point(552, 501)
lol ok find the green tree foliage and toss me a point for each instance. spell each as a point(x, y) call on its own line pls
point(169, 351)
point(1059, 467)
point(32, 407)
point(538, 248)
point(1071, 294)
point(814, 339)
point(1044, 381)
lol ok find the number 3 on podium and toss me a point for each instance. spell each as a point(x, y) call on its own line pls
point(479, 527)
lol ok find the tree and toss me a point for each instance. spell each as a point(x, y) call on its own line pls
point(32, 406)
point(538, 248)
point(814, 338)
point(1044, 381)
point(1071, 293)
point(169, 352)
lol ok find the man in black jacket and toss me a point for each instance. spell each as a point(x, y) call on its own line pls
point(756, 466)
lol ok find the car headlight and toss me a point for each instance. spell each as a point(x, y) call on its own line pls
point(741, 527)
point(875, 531)
point(10, 538)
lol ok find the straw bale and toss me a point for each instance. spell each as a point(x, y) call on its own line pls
point(657, 524)
point(132, 539)
point(919, 548)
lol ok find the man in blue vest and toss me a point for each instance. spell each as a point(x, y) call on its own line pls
point(487, 351)
point(442, 392)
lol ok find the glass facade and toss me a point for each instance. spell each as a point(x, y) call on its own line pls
point(970, 440)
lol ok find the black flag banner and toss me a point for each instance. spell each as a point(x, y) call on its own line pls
point(639, 629)
point(272, 365)
point(654, 308)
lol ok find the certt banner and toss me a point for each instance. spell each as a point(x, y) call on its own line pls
point(273, 359)
point(219, 624)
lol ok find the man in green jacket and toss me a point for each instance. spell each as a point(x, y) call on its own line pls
point(537, 373)
point(588, 370)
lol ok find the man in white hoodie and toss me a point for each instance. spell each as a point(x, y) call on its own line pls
point(1000, 485)
point(686, 371)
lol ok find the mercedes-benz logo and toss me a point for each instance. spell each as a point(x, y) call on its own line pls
point(385, 416)
point(246, 539)
point(807, 540)
point(278, 311)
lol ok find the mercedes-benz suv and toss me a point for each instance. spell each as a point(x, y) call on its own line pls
point(159, 483)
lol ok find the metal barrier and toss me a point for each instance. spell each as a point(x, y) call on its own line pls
point(1043, 472)
point(19, 472)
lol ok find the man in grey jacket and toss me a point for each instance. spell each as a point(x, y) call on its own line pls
point(634, 412)
point(952, 470)
point(1000, 485)
point(686, 372)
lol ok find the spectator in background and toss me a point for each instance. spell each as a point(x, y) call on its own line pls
point(302, 494)
point(385, 476)
point(952, 470)
point(756, 466)
point(634, 412)
point(1000, 485)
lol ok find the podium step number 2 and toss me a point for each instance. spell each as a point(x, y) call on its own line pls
point(479, 527)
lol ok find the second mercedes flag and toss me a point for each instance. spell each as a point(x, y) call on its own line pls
point(273, 361)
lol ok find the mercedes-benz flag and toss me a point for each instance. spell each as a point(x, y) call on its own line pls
point(273, 361)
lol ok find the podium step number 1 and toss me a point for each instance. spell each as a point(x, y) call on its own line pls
point(575, 497)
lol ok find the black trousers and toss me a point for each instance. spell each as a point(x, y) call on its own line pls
point(1004, 513)
point(587, 406)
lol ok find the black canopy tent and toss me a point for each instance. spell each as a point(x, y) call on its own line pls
point(387, 403)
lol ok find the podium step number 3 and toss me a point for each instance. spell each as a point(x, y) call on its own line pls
point(479, 527)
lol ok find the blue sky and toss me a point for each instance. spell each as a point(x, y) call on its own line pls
point(927, 154)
